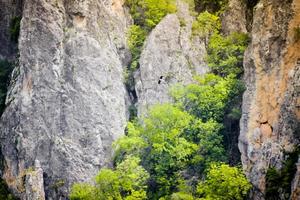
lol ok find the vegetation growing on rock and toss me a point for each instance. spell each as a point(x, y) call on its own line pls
point(206, 24)
point(5, 71)
point(279, 181)
point(148, 13)
point(15, 29)
point(179, 147)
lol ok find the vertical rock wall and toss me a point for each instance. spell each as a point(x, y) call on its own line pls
point(271, 104)
point(66, 104)
point(171, 55)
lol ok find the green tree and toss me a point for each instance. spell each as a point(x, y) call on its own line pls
point(223, 183)
point(210, 145)
point(82, 191)
point(206, 24)
point(148, 13)
point(208, 97)
point(156, 10)
point(225, 54)
point(164, 149)
point(127, 182)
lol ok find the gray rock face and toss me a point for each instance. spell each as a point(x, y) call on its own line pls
point(66, 104)
point(171, 55)
point(271, 112)
point(34, 183)
point(234, 17)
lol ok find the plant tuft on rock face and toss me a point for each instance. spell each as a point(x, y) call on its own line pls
point(279, 181)
point(5, 71)
point(15, 28)
point(135, 38)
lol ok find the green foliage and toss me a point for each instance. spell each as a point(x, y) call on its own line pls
point(148, 13)
point(176, 143)
point(206, 24)
point(127, 182)
point(4, 192)
point(279, 181)
point(170, 140)
point(224, 182)
point(225, 54)
point(82, 191)
point(5, 71)
point(181, 196)
point(207, 99)
point(209, 140)
point(159, 140)
point(135, 39)
point(273, 181)
point(15, 28)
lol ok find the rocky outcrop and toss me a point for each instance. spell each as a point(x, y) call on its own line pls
point(66, 104)
point(271, 109)
point(234, 17)
point(171, 55)
point(34, 183)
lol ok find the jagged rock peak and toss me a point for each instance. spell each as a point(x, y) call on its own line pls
point(171, 55)
point(66, 104)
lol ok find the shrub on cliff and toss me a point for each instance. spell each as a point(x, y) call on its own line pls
point(127, 181)
point(224, 182)
point(135, 39)
point(206, 24)
point(148, 13)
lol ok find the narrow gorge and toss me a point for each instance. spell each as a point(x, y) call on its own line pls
point(175, 89)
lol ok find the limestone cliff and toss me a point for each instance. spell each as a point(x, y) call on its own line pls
point(66, 103)
point(271, 109)
point(171, 55)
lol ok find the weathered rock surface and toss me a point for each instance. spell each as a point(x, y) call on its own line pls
point(271, 104)
point(171, 55)
point(66, 104)
point(34, 183)
point(234, 17)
